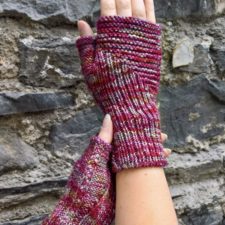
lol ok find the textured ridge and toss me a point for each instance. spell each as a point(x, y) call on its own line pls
point(89, 197)
point(124, 61)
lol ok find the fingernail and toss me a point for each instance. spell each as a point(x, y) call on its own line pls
point(107, 116)
point(106, 120)
point(166, 136)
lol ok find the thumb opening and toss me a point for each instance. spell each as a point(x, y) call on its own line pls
point(86, 47)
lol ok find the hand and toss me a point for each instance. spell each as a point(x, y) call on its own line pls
point(106, 134)
point(137, 8)
point(121, 66)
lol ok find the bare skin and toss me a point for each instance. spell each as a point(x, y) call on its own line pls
point(129, 190)
point(143, 196)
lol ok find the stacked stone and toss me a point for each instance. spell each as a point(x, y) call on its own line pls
point(47, 114)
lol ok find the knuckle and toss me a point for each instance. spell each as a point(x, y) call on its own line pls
point(108, 5)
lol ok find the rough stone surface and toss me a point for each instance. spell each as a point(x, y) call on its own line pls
point(13, 102)
point(39, 65)
point(183, 53)
point(192, 167)
point(202, 61)
point(14, 153)
point(204, 215)
point(68, 12)
point(218, 55)
point(198, 8)
point(51, 62)
point(47, 12)
point(74, 134)
point(8, 58)
point(199, 96)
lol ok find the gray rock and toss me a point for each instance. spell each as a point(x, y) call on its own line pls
point(17, 102)
point(36, 220)
point(11, 196)
point(74, 134)
point(14, 153)
point(68, 12)
point(48, 12)
point(199, 98)
point(190, 168)
point(49, 62)
point(204, 216)
point(217, 88)
point(202, 61)
point(218, 56)
point(192, 196)
point(179, 9)
point(183, 54)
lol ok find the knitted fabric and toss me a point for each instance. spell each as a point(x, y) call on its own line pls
point(121, 66)
point(89, 197)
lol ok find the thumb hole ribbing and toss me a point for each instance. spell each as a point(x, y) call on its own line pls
point(86, 49)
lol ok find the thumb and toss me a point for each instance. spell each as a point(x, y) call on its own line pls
point(84, 28)
point(106, 131)
point(85, 46)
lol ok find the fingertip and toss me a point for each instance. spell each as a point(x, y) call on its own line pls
point(167, 152)
point(84, 28)
point(164, 137)
point(106, 131)
point(107, 120)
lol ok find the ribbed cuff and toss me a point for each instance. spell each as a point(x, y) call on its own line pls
point(84, 40)
point(138, 159)
point(137, 144)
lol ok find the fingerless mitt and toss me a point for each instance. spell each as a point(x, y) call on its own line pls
point(89, 198)
point(121, 66)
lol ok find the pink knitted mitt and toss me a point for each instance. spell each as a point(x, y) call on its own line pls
point(121, 66)
point(89, 198)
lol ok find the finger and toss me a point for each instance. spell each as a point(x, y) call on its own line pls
point(123, 7)
point(167, 152)
point(138, 9)
point(150, 11)
point(164, 137)
point(106, 131)
point(108, 8)
point(84, 28)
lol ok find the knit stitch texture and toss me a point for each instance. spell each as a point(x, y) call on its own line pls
point(89, 198)
point(121, 66)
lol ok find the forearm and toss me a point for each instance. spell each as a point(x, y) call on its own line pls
point(143, 198)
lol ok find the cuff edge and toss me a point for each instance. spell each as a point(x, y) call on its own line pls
point(160, 163)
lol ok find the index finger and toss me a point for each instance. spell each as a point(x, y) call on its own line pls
point(150, 10)
point(108, 8)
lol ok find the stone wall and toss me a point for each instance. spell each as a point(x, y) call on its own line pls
point(47, 114)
